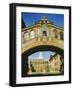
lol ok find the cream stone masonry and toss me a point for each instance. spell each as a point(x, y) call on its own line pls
point(43, 32)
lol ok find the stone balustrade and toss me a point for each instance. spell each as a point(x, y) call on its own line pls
point(36, 36)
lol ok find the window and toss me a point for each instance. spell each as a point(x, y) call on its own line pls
point(45, 21)
point(26, 36)
point(32, 34)
point(42, 21)
point(61, 36)
point(44, 33)
point(55, 34)
point(44, 29)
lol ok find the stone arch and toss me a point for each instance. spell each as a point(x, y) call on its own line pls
point(33, 50)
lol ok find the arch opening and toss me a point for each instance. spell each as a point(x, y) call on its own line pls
point(25, 60)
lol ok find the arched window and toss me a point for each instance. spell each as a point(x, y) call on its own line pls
point(32, 35)
point(26, 36)
point(61, 36)
point(44, 33)
point(56, 34)
point(42, 21)
point(44, 28)
point(45, 21)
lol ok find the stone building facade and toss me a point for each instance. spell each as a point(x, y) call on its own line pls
point(55, 64)
point(38, 66)
point(41, 66)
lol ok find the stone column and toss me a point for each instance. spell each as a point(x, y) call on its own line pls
point(47, 34)
point(29, 67)
point(35, 33)
point(29, 34)
point(39, 34)
point(50, 34)
point(22, 37)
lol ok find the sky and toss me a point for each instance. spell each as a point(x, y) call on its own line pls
point(46, 55)
point(30, 18)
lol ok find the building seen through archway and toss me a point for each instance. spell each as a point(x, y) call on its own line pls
point(45, 62)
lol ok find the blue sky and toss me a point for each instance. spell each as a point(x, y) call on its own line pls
point(31, 18)
point(46, 55)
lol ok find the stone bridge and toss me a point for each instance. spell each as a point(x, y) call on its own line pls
point(40, 34)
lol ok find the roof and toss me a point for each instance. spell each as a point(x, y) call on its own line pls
point(42, 21)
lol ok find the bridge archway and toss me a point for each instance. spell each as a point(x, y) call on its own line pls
point(36, 49)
